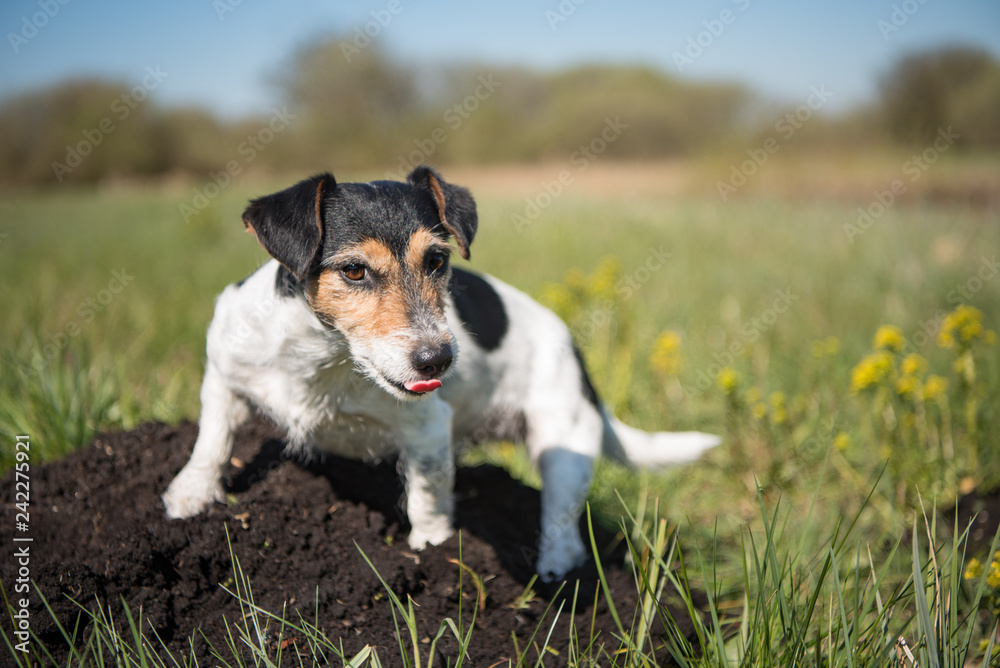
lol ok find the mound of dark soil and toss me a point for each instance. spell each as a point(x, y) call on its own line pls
point(99, 534)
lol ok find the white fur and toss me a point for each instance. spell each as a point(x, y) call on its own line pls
point(274, 353)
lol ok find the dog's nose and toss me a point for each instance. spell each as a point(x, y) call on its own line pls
point(432, 361)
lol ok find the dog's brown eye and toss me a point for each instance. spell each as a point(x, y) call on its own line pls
point(436, 262)
point(354, 272)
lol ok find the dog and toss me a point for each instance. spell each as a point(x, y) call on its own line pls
point(359, 338)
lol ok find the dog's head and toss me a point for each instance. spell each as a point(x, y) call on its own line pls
point(372, 259)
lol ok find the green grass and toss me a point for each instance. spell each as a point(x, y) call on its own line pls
point(110, 299)
point(765, 512)
point(835, 606)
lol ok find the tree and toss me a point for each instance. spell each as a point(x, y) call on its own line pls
point(349, 104)
point(929, 91)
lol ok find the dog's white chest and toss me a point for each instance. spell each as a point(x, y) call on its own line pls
point(355, 436)
point(339, 411)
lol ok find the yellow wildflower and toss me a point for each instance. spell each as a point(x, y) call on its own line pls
point(983, 645)
point(779, 414)
point(871, 371)
point(990, 337)
point(993, 575)
point(934, 387)
point(666, 355)
point(753, 394)
point(964, 314)
point(913, 365)
point(908, 386)
point(842, 441)
point(965, 323)
point(973, 570)
point(729, 379)
point(972, 330)
point(760, 410)
point(601, 283)
point(888, 337)
point(560, 299)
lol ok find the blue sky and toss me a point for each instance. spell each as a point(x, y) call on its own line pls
point(221, 54)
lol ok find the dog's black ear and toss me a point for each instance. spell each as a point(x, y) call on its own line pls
point(454, 204)
point(289, 224)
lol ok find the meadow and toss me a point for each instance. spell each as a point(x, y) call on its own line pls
point(838, 334)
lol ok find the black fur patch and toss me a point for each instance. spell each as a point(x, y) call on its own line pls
point(588, 387)
point(285, 284)
point(480, 308)
point(289, 224)
point(387, 211)
point(316, 218)
point(459, 216)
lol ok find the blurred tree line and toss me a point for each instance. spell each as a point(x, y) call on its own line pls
point(375, 112)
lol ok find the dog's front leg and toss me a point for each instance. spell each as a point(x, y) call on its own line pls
point(199, 483)
point(429, 469)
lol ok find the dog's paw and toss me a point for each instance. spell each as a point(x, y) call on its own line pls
point(190, 493)
point(421, 538)
point(559, 557)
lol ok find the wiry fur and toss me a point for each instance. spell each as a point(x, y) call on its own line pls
point(330, 359)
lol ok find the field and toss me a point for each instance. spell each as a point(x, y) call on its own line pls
point(834, 319)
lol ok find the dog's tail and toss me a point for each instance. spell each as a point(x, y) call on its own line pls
point(634, 447)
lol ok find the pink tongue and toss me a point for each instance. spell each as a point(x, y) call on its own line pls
point(421, 386)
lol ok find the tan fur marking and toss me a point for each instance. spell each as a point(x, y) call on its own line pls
point(463, 247)
point(384, 312)
point(439, 196)
point(377, 256)
point(319, 200)
point(370, 313)
point(378, 314)
point(421, 242)
point(250, 230)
